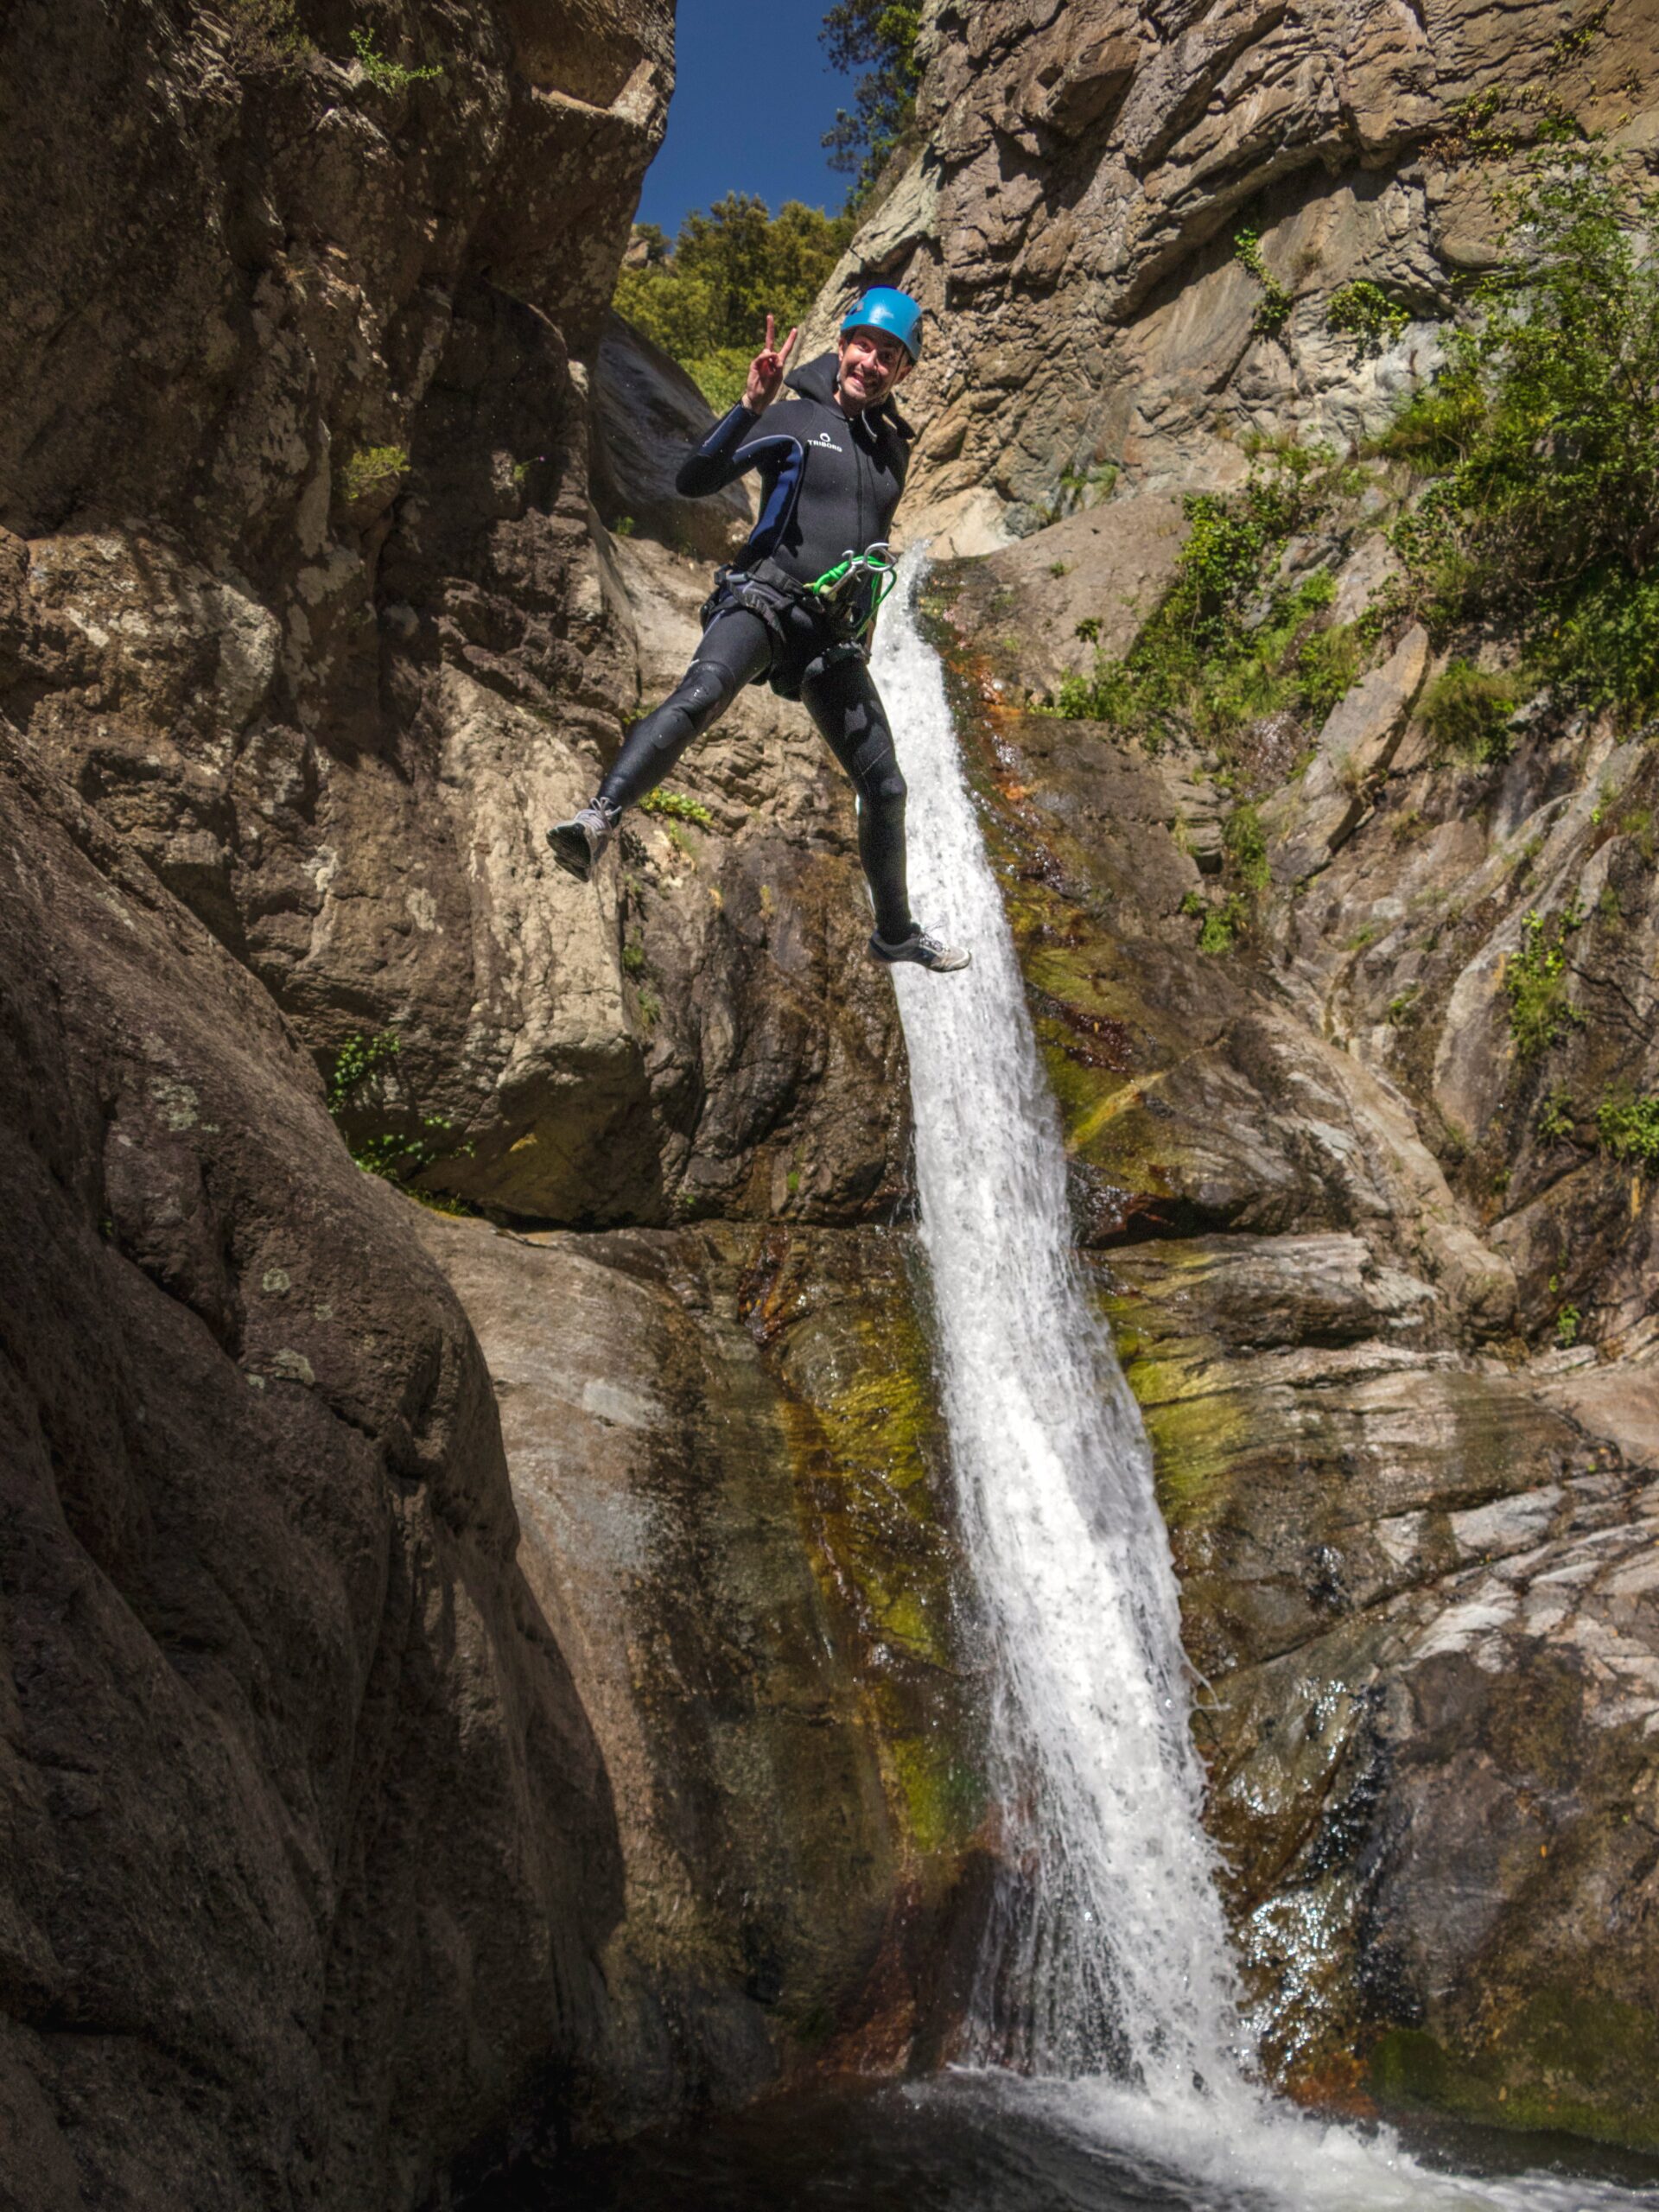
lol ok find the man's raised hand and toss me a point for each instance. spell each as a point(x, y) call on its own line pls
point(767, 370)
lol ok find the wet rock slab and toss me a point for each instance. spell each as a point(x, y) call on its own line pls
point(727, 1464)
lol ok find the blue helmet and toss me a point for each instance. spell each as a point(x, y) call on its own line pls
point(882, 308)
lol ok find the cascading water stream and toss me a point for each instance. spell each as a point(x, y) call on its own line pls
point(1114, 1954)
point(1110, 1967)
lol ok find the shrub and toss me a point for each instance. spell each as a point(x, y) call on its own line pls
point(1230, 642)
point(1222, 925)
point(1543, 433)
point(372, 472)
point(1247, 846)
point(382, 71)
point(1469, 712)
point(265, 35)
point(1629, 1127)
point(1274, 310)
point(1536, 980)
point(1363, 312)
point(1556, 1118)
point(397, 1154)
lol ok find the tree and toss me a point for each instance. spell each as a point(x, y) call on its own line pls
point(707, 302)
point(878, 36)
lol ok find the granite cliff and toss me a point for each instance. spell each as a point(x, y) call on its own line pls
point(1378, 1255)
point(374, 1826)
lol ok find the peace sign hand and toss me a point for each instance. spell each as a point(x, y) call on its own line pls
point(767, 370)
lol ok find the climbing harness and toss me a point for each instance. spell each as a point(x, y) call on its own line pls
point(846, 598)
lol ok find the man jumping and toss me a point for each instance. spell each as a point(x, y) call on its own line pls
point(797, 605)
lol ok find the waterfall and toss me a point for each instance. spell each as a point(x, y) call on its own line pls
point(1112, 1953)
point(1107, 1971)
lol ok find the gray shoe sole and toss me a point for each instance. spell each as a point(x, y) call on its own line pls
point(571, 851)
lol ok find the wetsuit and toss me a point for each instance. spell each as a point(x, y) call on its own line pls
point(829, 483)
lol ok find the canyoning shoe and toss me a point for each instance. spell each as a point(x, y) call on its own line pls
point(926, 951)
point(578, 843)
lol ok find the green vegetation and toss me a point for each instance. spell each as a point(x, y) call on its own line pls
point(1232, 641)
point(705, 300)
point(382, 71)
point(879, 37)
point(1081, 484)
point(361, 1066)
point(371, 471)
point(264, 33)
point(1556, 1117)
point(1224, 924)
point(1363, 313)
point(676, 807)
point(633, 959)
point(1272, 310)
point(1247, 847)
point(1468, 713)
point(1629, 1127)
point(1540, 434)
point(1567, 1323)
point(1536, 980)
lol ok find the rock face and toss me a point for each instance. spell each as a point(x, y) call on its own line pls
point(728, 1461)
point(1379, 1256)
point(1069, 219)
point(303, 588)
point(1412, 1508)
point(352, 1846)
point(310, 1849)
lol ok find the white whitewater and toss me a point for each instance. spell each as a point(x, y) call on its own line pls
point(1114, 1956)
point(1108, 1977)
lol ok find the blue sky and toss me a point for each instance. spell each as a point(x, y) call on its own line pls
point(753, 97)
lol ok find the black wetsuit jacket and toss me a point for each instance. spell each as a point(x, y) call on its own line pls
point(829, 481)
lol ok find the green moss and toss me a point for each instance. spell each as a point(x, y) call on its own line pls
point(1196, 1444)
point(943, 1798)
point(1566, 2059)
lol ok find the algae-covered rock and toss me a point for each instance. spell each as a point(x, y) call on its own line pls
point(726, 1454)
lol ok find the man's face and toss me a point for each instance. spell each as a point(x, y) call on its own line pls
point(872, 363)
